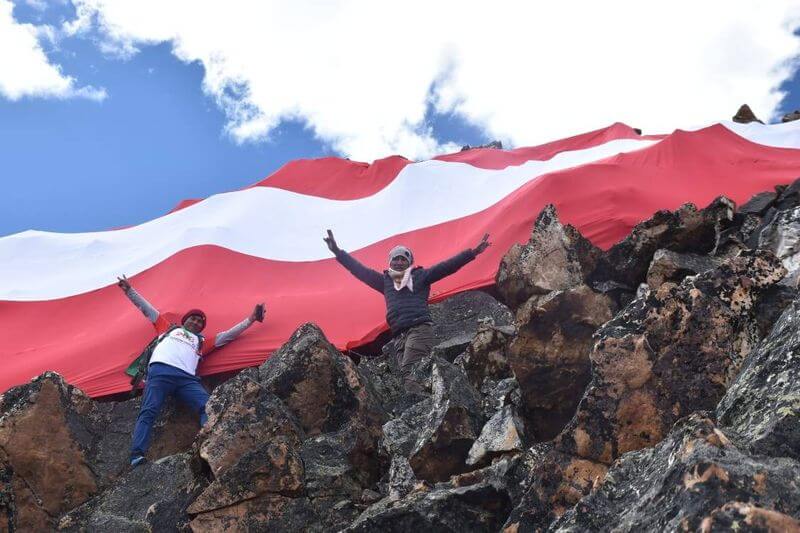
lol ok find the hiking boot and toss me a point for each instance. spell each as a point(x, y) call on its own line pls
point(136, 461)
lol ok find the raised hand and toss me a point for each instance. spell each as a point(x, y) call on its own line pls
point(258, 313)
point(331, 242)
point(123, 283)
point(482, 245)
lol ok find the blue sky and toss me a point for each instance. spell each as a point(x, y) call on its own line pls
point(77, 164)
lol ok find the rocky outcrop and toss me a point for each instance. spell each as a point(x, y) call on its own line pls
point(696, 479)
point(149, 498)
point(666, 355)
point(686, 230)
point(550, 354)
point(792, 116)
point(58, 448)
point(291, 444)
point(556, 257)
point(477, 501)
point(602, 403)
point(673, 267)
point(437, 434)
point(762, 406)
point(745, 115)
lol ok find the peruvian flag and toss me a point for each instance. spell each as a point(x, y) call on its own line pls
point(60, 308)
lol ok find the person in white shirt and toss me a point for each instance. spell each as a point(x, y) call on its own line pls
point(173, 364)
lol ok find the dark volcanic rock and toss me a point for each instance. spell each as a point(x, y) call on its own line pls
point(437, 433)
point(455, 422)
point(759, 203)
point(291, 445)
point(695, 480)
point(731, 516)
point(472, 508)
point(782, 237)
point(486, 357)
point(665, 356)
point(138, 500)
point(788, 196)
point(550, 355)
point(502, 433)
point(672, 266)
point(684, 230)
point(459, 316)
point(556, 257)
point(322, 388)
point(763, 404)
point(668, 355)
point(477, 501)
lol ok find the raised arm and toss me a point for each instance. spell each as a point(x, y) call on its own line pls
point(450, 266)
point(138, 300)
point(224, 337)
point(368, 276)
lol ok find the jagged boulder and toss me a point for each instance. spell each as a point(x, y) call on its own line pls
point(498, 394)
point(759, 203)
point(666, 355)
point(502, 433)
point(273, 466)
point(686, 230)
point(696, 479)
point(792, 116)
point(147, 498)
point(43, 451)
point(782, 237)
point(556, 257)
point(437, 433)
point(477, 501)
point(550, 354)
point(762, 406)
point(486, 356)
point(242, 414)
point(673, 266)
point(459, 317)
point(745, 115)
point(58, 447)
point(292, 444)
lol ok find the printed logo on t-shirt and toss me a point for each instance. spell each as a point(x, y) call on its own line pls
point(185, 337)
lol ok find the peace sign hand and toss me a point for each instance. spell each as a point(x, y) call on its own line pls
point(482, 245)
point(331, 242)
point(123, 283)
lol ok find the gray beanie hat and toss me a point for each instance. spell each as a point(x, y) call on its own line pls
point(401, 251)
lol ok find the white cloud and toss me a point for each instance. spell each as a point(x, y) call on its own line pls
point(362, 74)
point(25, 69)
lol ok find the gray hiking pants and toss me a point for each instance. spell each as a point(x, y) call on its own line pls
point(413, 345)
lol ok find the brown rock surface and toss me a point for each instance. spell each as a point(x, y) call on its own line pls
point(745, 115)
point(556, 257)
point(696, 479)
point(290, 441)
point(670, 353)
point(48, 469)
point(550, 355)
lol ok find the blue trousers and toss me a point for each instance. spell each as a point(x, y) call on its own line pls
point(163, 381)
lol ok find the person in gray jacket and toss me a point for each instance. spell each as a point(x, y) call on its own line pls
point(406, 290)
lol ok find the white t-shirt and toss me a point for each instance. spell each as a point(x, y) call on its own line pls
point(179, 349)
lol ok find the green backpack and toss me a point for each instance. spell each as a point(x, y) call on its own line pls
point(138, 369)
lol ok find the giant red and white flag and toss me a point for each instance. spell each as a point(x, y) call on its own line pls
point(61, 310)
